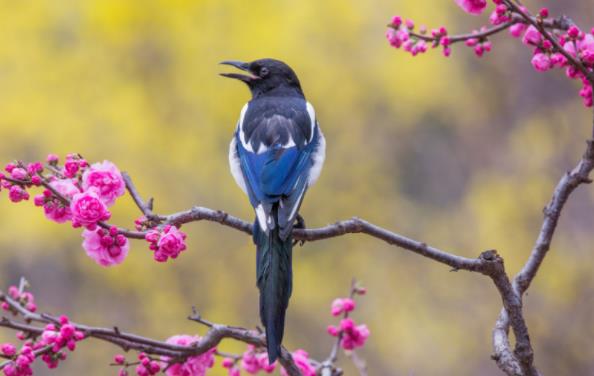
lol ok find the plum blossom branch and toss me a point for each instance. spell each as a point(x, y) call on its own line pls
point(561, 23)
point(540, 25)
point(127, 341)
point(556, 42)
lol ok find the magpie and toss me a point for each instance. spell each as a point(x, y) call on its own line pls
point(275, 155)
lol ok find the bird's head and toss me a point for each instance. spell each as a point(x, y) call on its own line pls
point(266, 76)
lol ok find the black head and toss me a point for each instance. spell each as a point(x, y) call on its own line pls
point(267, 76)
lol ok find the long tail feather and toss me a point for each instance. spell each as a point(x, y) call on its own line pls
point(274, 279)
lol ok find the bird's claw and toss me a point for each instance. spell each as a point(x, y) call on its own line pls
point(300, 224)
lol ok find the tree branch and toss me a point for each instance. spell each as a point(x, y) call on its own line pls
point(129, 341)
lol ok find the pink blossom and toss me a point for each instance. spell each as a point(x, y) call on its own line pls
point(517, 30)
point(396, 21)
point(569, 46)
point(532, 37)
point(558, 60)
point(119, 359)
point(34, 168)
point(19, 173)
point(472, 6)
point(332, 330)
point(586, 48)
point(341, 305)
point(301, 359)
point(88, 209)
point(106, 179)
point(9, 167)
point(499, 15)
point(8, 349)
point(227, 363)
point(353, 336)
point(105, 248)
point(17, 194)
point(71, 167)
point(54, 208)
point(264, 364)
point(193, 366)
point(573, 32)
point(168, 242)
point(541, 62)
point(52, 159)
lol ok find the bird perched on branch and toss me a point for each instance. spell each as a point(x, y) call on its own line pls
point(276, 154)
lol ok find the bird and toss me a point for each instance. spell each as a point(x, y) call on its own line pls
point(276, 154)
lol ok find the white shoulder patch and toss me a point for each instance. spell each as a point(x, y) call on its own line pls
point(312, 119)
point(235, 165)
point(245, 144)
point(318, 157)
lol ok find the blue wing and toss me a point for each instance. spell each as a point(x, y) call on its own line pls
point(275, 163)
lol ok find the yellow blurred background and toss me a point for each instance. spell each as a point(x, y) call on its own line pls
point(462, 153)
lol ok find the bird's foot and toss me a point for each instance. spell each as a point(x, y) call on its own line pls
point(300, 224)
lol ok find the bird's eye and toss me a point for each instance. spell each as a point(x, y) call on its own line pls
point(263, 72)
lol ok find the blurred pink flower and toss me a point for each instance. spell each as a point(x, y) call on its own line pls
point(105, 248)
point(472, 6)
point(541, 62)
point(193, 366)
point(55, 209)
point(301, 359)
point(353, 336)
point(532, 37)
point(19, 173)
point(106, 179)
point(17, 194)
point(516, 30)
point(341, 305)
point(169, 242)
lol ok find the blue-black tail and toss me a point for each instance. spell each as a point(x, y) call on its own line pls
point(275, 282)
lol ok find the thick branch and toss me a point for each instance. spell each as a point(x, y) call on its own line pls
point(508, 362)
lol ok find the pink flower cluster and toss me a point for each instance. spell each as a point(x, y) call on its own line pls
point(480, 46)
point(54, 208)
point(546, 54)
point(342, 305)
point(253, 362)
point(167, 242)
point(20, 177)
point(147, 366)
point(353, 336)
point(401, 34)
point(72, 166)
point(64, 335)
point(24, 298)
point(301, 359)
point(50, 344)
point(78, 193)
point(193, 366)
point(472, 6)
point(106, 180)
point(576, 43)
point(107, 248)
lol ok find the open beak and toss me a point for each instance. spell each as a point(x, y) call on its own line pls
point(247, 78)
